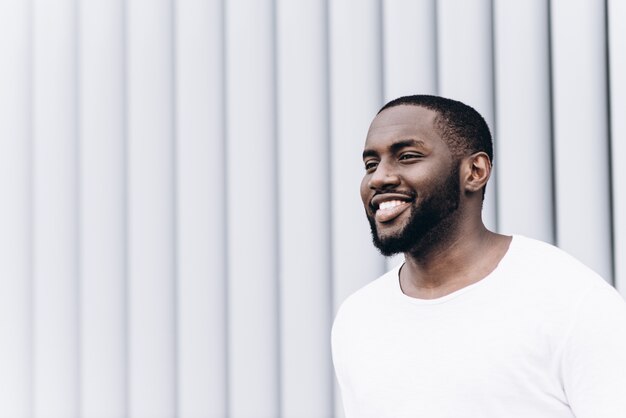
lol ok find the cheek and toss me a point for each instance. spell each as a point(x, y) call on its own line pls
point(365, 190)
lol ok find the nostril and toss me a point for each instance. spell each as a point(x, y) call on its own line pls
point(384, 182)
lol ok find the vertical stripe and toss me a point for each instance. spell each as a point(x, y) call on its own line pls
point(523, 125)
point(201, 209)
point(252, 210)
point(151, 264)
point(466, 68)
point(617, 70)
point(409, 48)
point(581, 132)
point(15, 210)
point(56, 354)
point(304, 184)
point(102, 203)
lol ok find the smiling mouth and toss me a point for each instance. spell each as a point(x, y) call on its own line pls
point(391, 209)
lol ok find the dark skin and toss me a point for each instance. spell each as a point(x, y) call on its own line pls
point(406, 163)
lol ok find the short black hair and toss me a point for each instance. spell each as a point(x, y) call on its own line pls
point(461, 126)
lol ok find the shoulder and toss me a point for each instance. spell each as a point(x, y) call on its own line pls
point(544, 286)
point(591, 355)
point(366, 300)
point(548, 267)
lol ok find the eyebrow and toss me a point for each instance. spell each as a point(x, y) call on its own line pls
point(396, 146)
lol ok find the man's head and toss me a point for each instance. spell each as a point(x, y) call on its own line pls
point(460, 126)
point(424, 157)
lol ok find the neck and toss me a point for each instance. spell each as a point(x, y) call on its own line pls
point(451, 258)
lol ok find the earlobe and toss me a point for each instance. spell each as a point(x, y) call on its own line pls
point(477, 171)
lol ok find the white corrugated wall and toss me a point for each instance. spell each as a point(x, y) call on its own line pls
point(180, 215)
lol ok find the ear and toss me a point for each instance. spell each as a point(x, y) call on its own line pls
point(475, 172)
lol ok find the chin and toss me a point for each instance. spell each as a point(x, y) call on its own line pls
point(393, 242)
point(390, 232)
point(389, 248)
point(409, 235)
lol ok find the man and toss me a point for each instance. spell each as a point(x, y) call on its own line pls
point(473, 323)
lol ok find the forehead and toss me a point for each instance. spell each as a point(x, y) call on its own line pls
point(403, 122)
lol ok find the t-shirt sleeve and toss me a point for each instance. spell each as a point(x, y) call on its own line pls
point(593, 361)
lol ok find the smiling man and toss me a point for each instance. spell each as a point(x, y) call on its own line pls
point(473, 323)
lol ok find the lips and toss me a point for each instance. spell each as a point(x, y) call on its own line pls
point(387, 207)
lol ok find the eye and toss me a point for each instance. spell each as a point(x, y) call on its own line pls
point(409, 156)
point(370, 165)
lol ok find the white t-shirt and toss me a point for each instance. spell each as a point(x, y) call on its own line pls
point(542, 336)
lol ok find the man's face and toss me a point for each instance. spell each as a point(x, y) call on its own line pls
point(411, 182)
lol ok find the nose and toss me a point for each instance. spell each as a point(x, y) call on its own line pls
point(385, 177)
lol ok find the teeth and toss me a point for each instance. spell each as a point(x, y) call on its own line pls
point(390, 204)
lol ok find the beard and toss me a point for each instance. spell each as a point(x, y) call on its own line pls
point(426, 222)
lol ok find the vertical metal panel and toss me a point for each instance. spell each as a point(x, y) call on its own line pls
point(55, 210)
point(305, 273)
point(581, 134)
point(102, 203)
point(410, 48)
point(151, 264)
point(523, 127)
point(409, 54)
point(617, 70)
point(252, 210)
point(201, 210)
point(356, 95)
point(15, 210)
point(466, 67)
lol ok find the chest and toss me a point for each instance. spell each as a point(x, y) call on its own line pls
point(483, 357)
